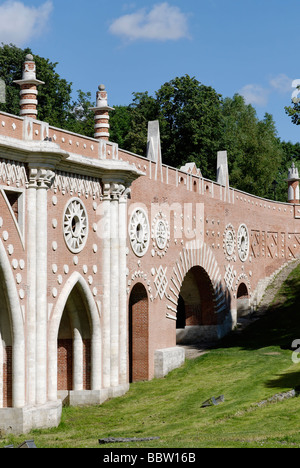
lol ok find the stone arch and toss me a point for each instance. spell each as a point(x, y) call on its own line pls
point(242, 300)
point(196, 253)
point(138, 334)
point(75, 286)
point(196, 318)
point(12, 339)
point(198, 259)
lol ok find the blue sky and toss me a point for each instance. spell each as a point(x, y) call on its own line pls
point(236, 46)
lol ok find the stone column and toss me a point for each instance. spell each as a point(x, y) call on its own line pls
point(43, 183)
point(114, 209)
point(106, 221)
point(77, 346)
point(31, 279)
point(123, 323)
point(114, 286)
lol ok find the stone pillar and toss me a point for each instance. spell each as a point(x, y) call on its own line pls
point(105, 207)
point(31, 304)
point(39, 183)
point(28, 92)
point(293, 185)
point(115, 333)
point(101, 114)
point(114, 286)
point(44, 181)
point(77, 347)
point(123, 323)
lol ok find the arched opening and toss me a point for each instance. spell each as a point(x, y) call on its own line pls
point(196, 318)
point(138, 334)
point(243, 300)
point(6, 349)
point(74, 345)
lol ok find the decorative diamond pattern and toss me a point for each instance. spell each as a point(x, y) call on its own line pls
point(161, 282)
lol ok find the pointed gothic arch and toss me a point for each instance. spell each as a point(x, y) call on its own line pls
point(66, 308)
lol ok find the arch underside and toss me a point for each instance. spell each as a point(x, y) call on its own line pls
point(196, 274)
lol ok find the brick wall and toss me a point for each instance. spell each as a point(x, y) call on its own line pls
point(86, 364)
point(138, 334)
point(7, 377)
point(65, 364)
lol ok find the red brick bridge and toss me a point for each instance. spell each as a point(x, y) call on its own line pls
point(110, 260)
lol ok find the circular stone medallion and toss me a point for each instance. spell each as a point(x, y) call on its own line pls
point(75, 225)
point(139, 232)
point(243, 242)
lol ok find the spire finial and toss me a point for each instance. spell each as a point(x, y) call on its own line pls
point(28, 85)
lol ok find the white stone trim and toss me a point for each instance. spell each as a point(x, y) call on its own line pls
point(17, 331)
point(54, 323)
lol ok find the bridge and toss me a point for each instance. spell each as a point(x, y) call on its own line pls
point(109, 260)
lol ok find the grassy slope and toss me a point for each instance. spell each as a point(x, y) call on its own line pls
point(246, 369)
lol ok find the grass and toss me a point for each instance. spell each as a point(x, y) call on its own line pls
point(246, 368)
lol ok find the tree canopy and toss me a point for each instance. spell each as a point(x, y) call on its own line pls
point(195, 123)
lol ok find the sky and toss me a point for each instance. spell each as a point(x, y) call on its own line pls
point(248, 47)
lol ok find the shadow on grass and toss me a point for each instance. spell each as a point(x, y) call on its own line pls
point(279, 326)
point(289, 380)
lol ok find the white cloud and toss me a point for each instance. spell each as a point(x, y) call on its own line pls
point(281, 83)
point(20, 23)
point(164, 22)
point(255, 95)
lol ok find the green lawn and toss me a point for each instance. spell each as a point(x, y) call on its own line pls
point(246, 369)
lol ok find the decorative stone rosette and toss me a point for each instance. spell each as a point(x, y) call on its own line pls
point(75, 225)
point(229, 243)
point(243, 242)
point(160, 234)
point(139, 232)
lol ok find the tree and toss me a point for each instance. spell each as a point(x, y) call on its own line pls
point(191, 123)
point(254, 151)
point(11, 60)
point(54, 96)
point(79, 118)
point(294, 110)
point(143, 109)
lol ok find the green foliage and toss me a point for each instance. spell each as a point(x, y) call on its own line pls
point(191, 119)
point(54, 97)
point(11, 61)
point(294, 110)
point(254, 151)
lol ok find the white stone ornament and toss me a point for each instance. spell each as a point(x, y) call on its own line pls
point(161, 234)
point(229, 242)
point(139, 233)
point(75, 225)
point(243, 242)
